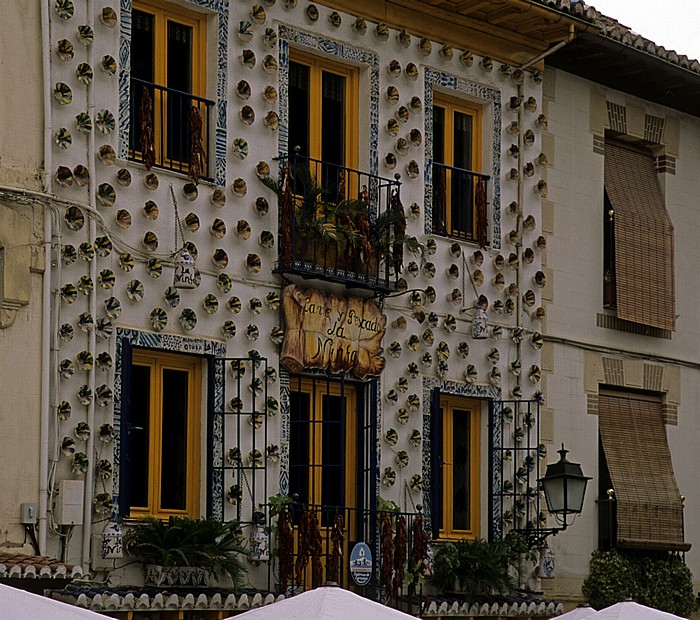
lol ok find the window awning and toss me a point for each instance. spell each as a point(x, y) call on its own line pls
point(643, 238)
point(649, 506)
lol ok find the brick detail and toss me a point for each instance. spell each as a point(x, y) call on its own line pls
point(598, 144)
point(670, 413)
point(665, 164)
point(592, 404)
point(617, 117)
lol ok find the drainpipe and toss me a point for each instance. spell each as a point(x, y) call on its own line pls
point(90, 448)
point(521, 185)
point(521, 182)
point(47, 182)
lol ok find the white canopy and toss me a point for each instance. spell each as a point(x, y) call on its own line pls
point(16, 603)
point(578, 613)
point(629, 610)
point(326, 603)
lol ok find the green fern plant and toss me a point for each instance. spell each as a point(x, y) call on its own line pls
point(475, 569)
point(181, 541)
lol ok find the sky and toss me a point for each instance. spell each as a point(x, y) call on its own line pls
point(671, 23)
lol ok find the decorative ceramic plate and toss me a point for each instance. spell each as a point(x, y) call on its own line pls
point(109, 65)
point(85, 322)
point(134, 290)
point(113, 307)
point(159, 319)
point(64, 410)
point(106, 433)
point(68, 446)
point(62, 138)
point(104, 361)
point(69, 293)
point(106, 279)
point(85, 395)
point(66, 368)
point(123, 218)
point(106, 195)
point(188, 319)
point(66, 332)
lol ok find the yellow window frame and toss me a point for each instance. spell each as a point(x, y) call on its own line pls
point(449, 407)
point(317, 390)
point(198, 22)
point(452, 105)
point(158, 362)
point(318, 65)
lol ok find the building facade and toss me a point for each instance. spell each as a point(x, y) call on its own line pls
point(324, 251)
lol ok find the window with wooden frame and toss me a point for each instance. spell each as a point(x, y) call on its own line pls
point(455, 438)
point(638, 248)
point(323, 442)
point(168, 65)
point(323, 109)
point(457, 211)
point(163, 435)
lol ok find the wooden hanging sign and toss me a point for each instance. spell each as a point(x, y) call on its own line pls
point(342, 334)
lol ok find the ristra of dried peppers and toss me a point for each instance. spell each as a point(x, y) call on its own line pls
point(337, 540)
point(198, 156)
point(400, 554)
point(303, 551)
point(285, 548)
point(387, 550)
point(419, 553)
point(315, 549)
point(399, 230)
point(146, 141)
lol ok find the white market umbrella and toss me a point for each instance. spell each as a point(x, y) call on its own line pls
point(578, 613)
point(16, 604)
point(629, 610)
point(325, 603)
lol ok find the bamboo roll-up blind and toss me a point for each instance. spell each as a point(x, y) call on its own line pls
point(643, 238)
point(649, 507)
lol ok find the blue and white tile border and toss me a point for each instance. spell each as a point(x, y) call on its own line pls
point(447, 388)
point(460, 85)
point(221, 8)
point(161, 342)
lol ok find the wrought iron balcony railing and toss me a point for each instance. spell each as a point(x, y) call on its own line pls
point(460, 203)
point(171, 121)
point(314, 545)
point(339, 224)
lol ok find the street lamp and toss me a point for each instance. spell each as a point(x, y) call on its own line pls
point(564, 488)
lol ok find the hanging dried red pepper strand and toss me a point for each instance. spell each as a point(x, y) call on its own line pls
point(419, 553)
point(198, 156)
point(387, 551)
point(337, 540)
point(315, 549)
point(285, 548)
point(303, 550)
point(400, 553)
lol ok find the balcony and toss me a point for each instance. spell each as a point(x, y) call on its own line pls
point(314, 546)
point(169, 128)
point(340, 224)
point(460, 204)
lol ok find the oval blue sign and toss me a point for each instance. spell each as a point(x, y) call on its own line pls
point(361, 564)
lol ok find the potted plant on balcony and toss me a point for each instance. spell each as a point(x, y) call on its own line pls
point(338, 231)
point(187, 552)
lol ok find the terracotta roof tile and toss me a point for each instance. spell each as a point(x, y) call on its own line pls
point(23, 565)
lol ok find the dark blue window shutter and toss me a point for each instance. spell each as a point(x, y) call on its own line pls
point(125, 430)
point(435, 463)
